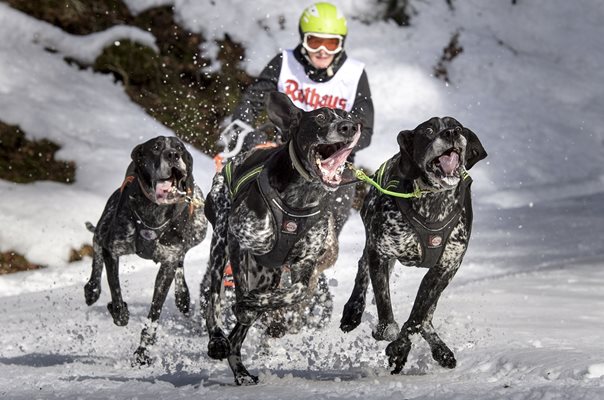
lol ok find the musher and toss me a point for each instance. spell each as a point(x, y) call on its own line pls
point(317, 73)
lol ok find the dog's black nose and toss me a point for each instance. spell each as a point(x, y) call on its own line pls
point(451, 134)
point(346, 128)
point(172, 155)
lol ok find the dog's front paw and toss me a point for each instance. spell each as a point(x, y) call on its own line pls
point(183, 301)
point(444, 356)
point(244, 315)
point(386, 331)
point(92, 292)
point(397, 353)
point(219, 346)
point(120, 315)
point(242, 376)
point(351, 317)
point(141, 358)
point(246, 379)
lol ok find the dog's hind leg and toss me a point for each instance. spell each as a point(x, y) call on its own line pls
point(181, 290)
point(218, 345)
point(118, 308)
point(420, 320)
point(164, 279)
point(92, 289)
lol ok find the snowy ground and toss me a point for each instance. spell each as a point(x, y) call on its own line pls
point(525, 313)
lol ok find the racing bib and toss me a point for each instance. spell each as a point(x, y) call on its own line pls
point(338, 92)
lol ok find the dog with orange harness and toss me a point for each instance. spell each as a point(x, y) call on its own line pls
point(158, 215)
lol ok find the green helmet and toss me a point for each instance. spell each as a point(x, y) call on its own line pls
point(323, 18)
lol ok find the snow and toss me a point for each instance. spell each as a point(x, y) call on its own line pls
point(525, 313)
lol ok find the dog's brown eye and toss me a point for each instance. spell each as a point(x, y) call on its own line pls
point(321, 118)
point(458, 129)
point(429, 131)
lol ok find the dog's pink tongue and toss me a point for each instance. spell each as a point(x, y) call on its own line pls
point(329, 166)
point(163, 189)
point(449, 163)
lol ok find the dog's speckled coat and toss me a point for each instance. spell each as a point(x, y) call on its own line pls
point(245, 228)
point(391, 237)
point(136, 221)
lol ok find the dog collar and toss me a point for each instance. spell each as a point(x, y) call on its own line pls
point(296, 162)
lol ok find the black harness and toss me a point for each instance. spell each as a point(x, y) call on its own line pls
point(290, 224)
point(146, 236)
point(432, 235)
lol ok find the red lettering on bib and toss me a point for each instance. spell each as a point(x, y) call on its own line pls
point(311, 97)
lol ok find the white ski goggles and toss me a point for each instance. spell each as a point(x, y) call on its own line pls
point(331, 44)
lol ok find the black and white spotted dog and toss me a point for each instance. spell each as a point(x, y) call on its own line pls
point(431, 231)
point(271, 214)
point(158, 215)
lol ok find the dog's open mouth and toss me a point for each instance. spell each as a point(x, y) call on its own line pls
point(170, 190)
point(330, 159)
point(447, 165)
point(448, 162)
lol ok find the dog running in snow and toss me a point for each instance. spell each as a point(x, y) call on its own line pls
point(158, 215)
point(431, 231)
point(268, 211)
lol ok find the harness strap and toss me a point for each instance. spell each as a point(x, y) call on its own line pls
point(362, 176)
point(289, 224)
point(434, 235)
point(127, 180)
point(241, 182)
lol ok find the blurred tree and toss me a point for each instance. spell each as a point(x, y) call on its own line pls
point(25, 161)
point(173, 85)
point(397, 11)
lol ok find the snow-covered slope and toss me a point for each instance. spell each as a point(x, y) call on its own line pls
point(525, 313)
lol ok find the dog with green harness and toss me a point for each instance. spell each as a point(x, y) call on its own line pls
point(269, 212)
point(418, 212)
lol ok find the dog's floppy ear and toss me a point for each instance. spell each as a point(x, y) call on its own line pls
point(407, 165)
point(137, 152)
point(137, 159)
point(282, 112)
point(474, 150)
point(188, 159)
